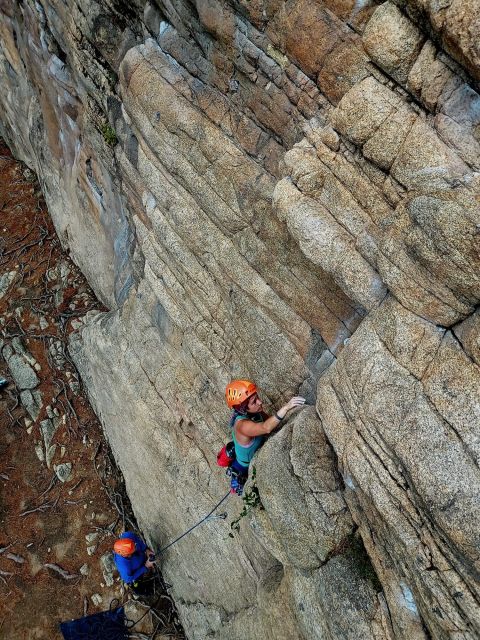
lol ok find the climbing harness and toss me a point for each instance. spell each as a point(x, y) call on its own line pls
point(238, 477)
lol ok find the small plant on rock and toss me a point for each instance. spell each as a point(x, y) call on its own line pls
point(251, 499)
point(109, 134)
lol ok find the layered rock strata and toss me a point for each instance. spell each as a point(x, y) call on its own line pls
point(287, 192)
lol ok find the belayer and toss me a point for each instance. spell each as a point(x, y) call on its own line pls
point(249, 425)
point(134, 561)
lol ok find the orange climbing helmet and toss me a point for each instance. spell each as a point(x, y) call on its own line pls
point(238, 391)
point(124, 547)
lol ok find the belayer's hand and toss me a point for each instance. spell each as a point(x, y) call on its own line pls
point(150, 562)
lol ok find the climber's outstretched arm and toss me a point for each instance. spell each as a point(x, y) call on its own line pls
point(250, 429)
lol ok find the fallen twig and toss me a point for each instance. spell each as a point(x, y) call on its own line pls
point(70, 491)
point(43, 236)
point(43, 507)
point(13, 419)
point(15, 558)
point(53, 481)
point(2, 578)
point(65, 574)
point(3, 549)
point(70, 406)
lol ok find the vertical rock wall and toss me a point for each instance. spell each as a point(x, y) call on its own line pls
point(286, 191)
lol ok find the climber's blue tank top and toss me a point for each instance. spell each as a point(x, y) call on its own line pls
point(244, 453)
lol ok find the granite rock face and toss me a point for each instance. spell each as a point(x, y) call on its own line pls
point(285, 191)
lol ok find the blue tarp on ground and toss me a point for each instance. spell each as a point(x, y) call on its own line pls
point(107, 625)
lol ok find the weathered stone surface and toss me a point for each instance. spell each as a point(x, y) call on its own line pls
point(301, 493)
point(97, 599)
point(392, 41)
point(399, 452)
point(384, 145)
point(425, 162)
point(460, 138)
point(286, 191)
point(429, 76)
point(468, 332)
point(403, 246)
point(306, 32)
point(363, 109)
point(6, 280)
point(324, 242)
point(343, 68)
point(352, 12)
point(455, 24)
point(108, 568)
point(47, 428)
point(33, 403)
point(63, 471)
point(451, 383)
point(327, 599)
point(23, 374)
point(412, 341)
point(460, 29)
point(91, 537)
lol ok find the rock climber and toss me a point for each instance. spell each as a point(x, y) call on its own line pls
point(250, 425)
point(134, 561)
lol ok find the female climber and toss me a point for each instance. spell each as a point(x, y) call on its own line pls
point(249, 425)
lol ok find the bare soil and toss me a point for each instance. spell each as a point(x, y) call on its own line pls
point(44, 521)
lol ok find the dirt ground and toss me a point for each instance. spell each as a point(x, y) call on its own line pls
point(51, 529)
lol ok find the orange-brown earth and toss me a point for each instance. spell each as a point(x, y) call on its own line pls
point(44, 521)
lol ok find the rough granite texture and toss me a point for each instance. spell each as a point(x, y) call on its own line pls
point(285, 191)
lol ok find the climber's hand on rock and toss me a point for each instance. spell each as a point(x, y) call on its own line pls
point(296, 401)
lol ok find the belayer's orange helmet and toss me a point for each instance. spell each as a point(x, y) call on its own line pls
point(124, 547)
point(238, 391)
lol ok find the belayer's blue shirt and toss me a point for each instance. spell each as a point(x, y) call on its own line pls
point(130, 569)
